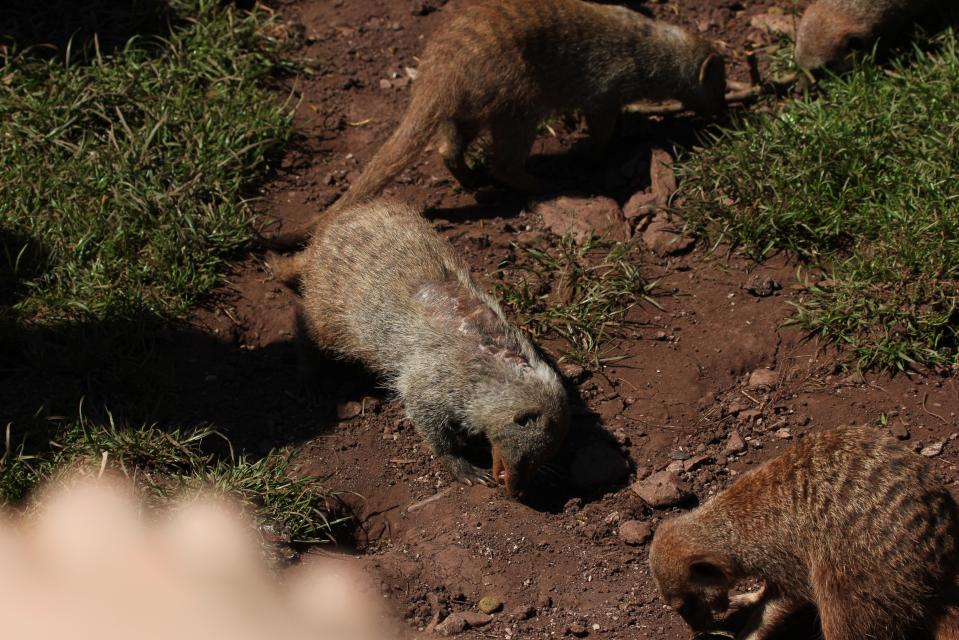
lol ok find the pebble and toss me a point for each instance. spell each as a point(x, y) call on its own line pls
point(635, 532)
point(763, 378)
point(735, 444)
point(577, 629)
point(523, 612)
point(695, 462)
point(584, 216)
point(490, 604)
point(348, 410)
point(573, 372)
point(461, 621)
point(932, 450)
point(783, 434)
point(660, 490)
point(899, 430)
point(663, 236)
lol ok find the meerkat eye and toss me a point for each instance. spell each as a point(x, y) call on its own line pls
point(526, 418)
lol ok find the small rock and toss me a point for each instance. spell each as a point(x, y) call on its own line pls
point(523, 612)
point(749, 415)
point(572, 371)
point(735, 444)
point(385, 84)
point(635, 533)
point(763, 379)
point(676, 466)
point(490, 604)
point(598, 465)
point(348, 410)
point(932, 450)
point(461, 621)
point(771, 23)
point(761, 286)
point(899, 430)
point(663, 237)
point(854, 379)
point(583, 216)
point(662, 179)
point(695, 462)
point(783, 434)
point(641, 204)
point(577, 629)
point(660, 490)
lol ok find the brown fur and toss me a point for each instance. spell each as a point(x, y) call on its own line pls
point(845, 519)
point(380, 286)
point(502, 66)
point(831, 29)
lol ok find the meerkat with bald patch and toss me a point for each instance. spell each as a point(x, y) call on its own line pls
point(845, 519)
point(380, 286)
point(830, 30)
point(501, 67)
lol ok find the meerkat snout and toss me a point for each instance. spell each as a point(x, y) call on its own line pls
point(831, 30)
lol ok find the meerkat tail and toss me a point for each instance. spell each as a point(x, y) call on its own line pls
point(414, 132)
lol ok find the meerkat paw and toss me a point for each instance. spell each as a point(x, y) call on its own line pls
point(746, 600)
point(468, 473)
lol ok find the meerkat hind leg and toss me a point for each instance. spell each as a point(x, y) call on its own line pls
point(602, 122)
point(451, 143)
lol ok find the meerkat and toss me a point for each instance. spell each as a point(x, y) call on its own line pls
point(501, 66)
point(380, 286)
point(831, 29)
point(845, 519)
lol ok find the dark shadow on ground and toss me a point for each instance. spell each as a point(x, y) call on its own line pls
point(623, 171)
point(48, 28)
point(147, 372)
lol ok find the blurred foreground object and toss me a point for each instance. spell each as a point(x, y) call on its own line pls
point(88, 560)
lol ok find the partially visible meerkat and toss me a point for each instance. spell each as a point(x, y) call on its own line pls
point(502, 66)
point(379, 285)
point(845, 519)
point(832, 29)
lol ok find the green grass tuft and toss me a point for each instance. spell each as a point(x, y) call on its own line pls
point(127, 174)
point(861, 182)
point(168, 463)
point(131, 142)
point(581, 292)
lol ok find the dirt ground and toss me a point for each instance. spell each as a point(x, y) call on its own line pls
point(681, 396)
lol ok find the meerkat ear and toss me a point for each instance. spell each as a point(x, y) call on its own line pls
point(712, 70)
point(706, 571)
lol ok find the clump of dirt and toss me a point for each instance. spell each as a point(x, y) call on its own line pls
point(703, 387)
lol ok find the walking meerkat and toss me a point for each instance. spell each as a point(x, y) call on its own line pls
point(379, 285)
point(832, 29)
point(845, 519)
point(502, 66)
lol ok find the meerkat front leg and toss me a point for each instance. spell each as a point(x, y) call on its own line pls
point(436, 433)
point(773, 611)
point(512, 140)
